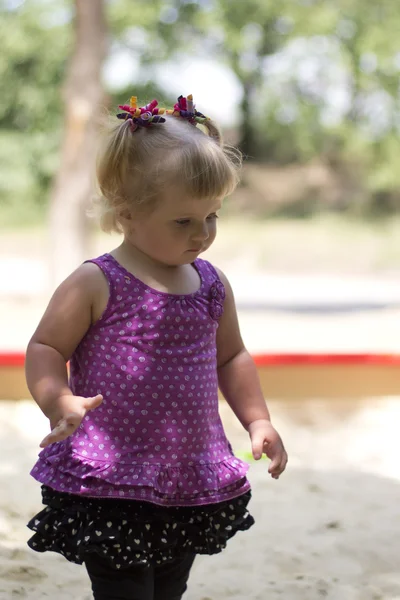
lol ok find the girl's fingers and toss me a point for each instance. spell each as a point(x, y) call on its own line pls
point(277, 455)
point(278, 465)
point(69, 424)
point(278, 458)
point(257, 446)
point(64, 428)
point(54, 436)
point(274, 467)
point(94, 402)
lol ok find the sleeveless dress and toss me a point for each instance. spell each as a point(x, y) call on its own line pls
point(149, 475)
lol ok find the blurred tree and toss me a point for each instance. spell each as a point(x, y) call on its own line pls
point(365, 35)
point(368, 39)
point(319, 79)
point(84, 96)
point(30, 106)
point(239, 34)
point(245, 34)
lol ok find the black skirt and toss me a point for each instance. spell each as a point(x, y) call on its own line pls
point(131, 532)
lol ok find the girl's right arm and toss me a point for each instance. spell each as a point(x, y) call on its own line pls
point(77, 303)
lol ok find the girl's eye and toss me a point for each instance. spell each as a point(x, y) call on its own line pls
point(211, 217)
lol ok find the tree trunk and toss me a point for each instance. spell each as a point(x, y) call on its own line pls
point(74, 183)
point(246, 144)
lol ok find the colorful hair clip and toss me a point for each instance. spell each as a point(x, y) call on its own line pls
point(149, 114)
point(141, 117)
point(186, 109)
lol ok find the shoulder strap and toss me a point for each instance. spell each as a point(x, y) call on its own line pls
point(208, 272)
point(108, 269)
point(105, 266)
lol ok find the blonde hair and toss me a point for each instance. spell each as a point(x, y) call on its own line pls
point(133, 167)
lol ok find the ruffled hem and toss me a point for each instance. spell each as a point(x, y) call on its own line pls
point(190, 484)
point(129, 532)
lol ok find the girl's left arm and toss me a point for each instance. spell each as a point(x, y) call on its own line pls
point(239, 383)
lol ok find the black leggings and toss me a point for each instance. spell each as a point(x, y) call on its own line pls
point(161, 582)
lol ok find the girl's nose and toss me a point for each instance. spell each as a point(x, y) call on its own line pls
point(201, 233)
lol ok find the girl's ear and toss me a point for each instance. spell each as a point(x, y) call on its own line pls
point(124, 215)
point(125, 219)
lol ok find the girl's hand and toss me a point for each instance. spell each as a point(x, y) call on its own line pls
point(73, 409)
point(265, 439)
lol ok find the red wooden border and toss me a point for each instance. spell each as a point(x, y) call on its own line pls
point(328, 359)
point(12, 359)
point(17, 359)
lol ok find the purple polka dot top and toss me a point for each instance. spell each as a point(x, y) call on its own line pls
point(158, 435)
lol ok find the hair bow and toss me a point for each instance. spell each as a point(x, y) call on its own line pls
point(147, 115)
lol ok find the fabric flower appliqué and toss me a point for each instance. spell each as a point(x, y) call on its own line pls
point(217, 295)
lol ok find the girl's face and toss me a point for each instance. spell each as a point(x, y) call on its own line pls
point(177, 230)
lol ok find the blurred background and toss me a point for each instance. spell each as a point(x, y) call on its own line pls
point(309, 91)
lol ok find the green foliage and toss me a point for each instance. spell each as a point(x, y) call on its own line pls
point(32, 65)
point(144, 92)
point(348, 46)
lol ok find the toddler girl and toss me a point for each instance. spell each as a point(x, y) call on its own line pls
point(137, 474)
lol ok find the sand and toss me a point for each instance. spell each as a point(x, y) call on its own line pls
point(329, 528)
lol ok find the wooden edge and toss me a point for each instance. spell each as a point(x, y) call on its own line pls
point(282, 376)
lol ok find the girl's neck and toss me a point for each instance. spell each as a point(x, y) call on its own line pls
point(181, 279)
point(128, 253)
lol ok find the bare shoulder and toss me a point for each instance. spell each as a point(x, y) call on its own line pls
point(229, 304)
point(80, 285)
point(75, 305)
point(91, 285)
point(88, 275)
point(221, 274)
